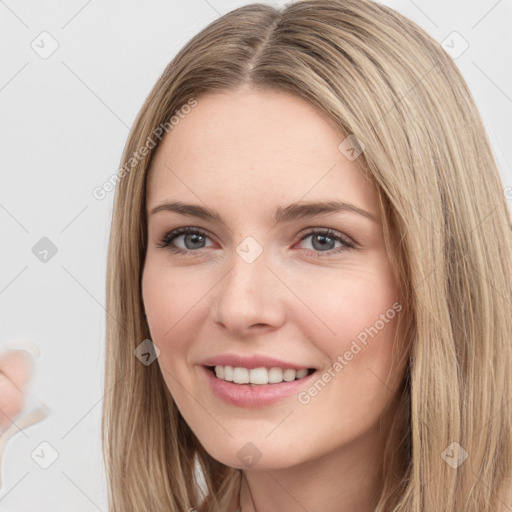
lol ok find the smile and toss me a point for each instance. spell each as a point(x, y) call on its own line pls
point(249, 394)
point(259, 376)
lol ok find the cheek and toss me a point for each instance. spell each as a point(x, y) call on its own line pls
point(342, 305)
point(352, 319)
point(171, 302)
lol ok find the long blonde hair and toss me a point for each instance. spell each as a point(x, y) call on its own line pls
point(379, 76)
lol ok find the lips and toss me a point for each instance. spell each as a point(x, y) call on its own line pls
point(253, 361)
point(249, 395)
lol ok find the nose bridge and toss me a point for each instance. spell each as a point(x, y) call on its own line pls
point(247, 295)
point(248, 274)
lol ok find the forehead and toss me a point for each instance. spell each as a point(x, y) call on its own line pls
point(255, 148)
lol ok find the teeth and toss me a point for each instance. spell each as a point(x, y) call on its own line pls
point(301, 373)
point(258, 376)
point(241, 375)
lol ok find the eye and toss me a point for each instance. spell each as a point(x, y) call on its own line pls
point(323, 239)
point(194, 238)
point(191, 236)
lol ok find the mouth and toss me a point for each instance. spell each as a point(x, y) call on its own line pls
point(258, 376)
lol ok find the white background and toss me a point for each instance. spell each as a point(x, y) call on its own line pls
point(65, 120)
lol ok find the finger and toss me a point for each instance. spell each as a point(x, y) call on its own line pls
point(17, 366)
point(12, 400)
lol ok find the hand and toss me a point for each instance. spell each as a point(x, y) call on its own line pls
point(16, 368)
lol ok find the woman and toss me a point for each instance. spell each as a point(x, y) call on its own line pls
point(258, 373)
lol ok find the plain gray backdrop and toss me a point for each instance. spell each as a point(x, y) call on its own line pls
point(73, 77)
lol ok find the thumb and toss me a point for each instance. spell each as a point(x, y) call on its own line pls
point(17, 366)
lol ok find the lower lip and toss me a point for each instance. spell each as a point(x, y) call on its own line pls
point(245, 395)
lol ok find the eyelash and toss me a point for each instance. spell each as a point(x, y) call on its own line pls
point(172, 235)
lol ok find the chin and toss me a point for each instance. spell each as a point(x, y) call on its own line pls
point(249, 455)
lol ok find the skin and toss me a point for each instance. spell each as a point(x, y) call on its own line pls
point(16, 367)
point(243, 153)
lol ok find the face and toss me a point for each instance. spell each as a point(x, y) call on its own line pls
point(311, 288)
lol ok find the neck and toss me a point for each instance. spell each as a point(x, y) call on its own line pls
point(346, 480)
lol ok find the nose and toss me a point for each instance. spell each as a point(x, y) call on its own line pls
point(249, 298)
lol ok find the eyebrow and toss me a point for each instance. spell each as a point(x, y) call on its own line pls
point(280, 214)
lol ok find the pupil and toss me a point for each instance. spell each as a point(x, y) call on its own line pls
point(322, 237)
point(195, 236)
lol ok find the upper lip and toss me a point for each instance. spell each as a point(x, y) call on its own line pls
point(253, 361)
